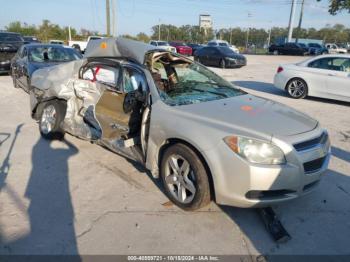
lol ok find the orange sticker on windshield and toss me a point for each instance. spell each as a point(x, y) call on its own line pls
point(246, 108)
point(103, 45)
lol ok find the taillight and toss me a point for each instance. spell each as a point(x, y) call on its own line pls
point(279, 69)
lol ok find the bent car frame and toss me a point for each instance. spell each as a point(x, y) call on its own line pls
point(203, 137)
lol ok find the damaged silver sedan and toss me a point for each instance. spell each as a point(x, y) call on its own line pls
point(203, 137)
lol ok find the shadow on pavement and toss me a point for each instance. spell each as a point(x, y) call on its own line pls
point(5, 166)
point(50, 212)
point(341, 154)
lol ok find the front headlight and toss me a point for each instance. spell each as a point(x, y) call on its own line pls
point(255, 151)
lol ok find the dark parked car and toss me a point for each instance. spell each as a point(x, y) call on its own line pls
point(9, 44)
point(219, 56)
point(289, 49)
point(31, 57)
point(195, 47)
point(317, 49)
point(182, 48)
point(30, 39)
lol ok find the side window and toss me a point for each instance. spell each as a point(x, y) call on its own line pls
point(335, 64)
point(340, 64)
point(153, 43)
point(133, 80)
point(103, 74)
point(320, 63)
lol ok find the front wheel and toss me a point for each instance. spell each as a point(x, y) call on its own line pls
point(52, 116)
point(184, 177)
point(297, 88)
point(222, 63)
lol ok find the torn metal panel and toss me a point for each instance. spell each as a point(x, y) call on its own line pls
point(118, 47)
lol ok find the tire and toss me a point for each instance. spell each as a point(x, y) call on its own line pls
point(297, 88)
point(193, 182)
point(14, 80)
point(51, 117)
point(222, 63)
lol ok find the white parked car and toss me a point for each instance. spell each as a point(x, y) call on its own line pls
point(326, 76)
point(335, 49)
point(223, 43)
point(163, 45)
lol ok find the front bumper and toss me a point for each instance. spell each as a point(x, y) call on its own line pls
point(242, 184)
point(5, 67)
point(236, 63)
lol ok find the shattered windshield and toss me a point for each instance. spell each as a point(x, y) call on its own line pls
point(52, 54)
point(184, 83)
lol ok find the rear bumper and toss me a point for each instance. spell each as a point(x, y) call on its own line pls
point(184, 52)
point(280, 81)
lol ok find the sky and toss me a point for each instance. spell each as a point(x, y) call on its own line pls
point(134, 16)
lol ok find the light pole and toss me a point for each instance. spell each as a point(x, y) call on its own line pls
point(159, 30)
point(291, 20)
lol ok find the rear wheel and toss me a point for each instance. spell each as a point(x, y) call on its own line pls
point(184, 177)
point(297, 88)
point(51, 118)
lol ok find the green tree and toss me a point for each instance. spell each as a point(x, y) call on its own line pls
point(336, 6)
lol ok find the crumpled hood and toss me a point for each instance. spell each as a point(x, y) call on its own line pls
point(252, 113)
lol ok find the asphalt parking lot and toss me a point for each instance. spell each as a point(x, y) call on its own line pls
point(72, 197)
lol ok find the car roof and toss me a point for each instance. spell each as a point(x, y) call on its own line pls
point(31, 45)
point(119, 47)
point(10, 33)
point(334, 55)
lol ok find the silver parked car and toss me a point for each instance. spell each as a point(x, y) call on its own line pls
point(205, 138)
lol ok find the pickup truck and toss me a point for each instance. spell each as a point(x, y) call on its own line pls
point(81, 45)
point(335, 49)
point(289, 49)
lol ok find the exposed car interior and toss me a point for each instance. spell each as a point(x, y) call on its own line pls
point(180, 81)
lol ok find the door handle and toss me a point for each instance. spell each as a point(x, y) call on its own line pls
point(330, 74)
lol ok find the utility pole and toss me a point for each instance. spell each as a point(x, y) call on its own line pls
point(108, 18)
point(69, 34)
point(113, 18)
point(300, 20)
point(269, 38)
point(291, 20)
point(159, 30)
point(247, 39)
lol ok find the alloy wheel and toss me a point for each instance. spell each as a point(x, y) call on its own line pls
point(48, 119)
point(297, 88)
point(180, 179)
